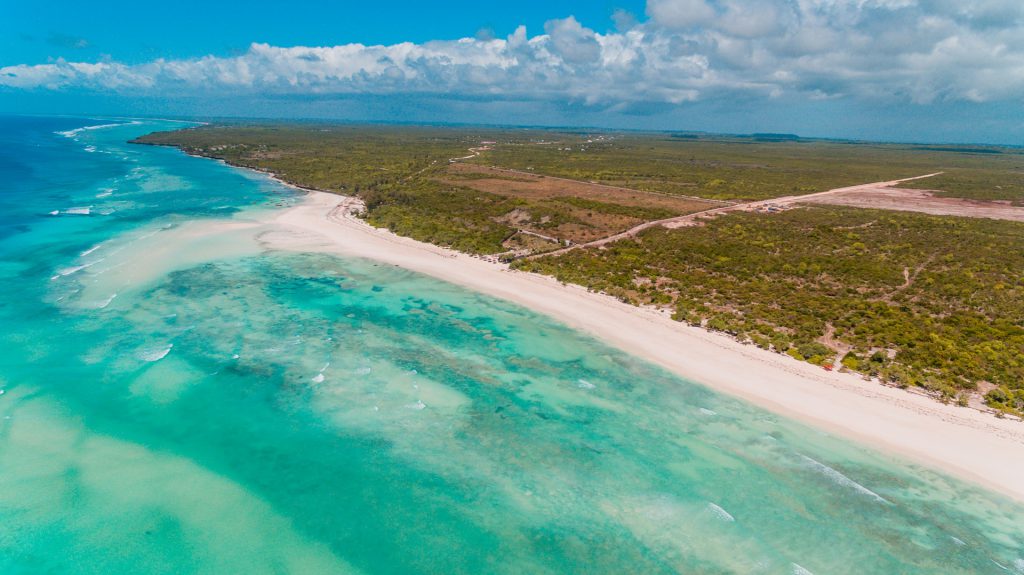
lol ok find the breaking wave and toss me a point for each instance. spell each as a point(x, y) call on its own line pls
point(156, 354)
point(76, 131)
point(720, 513)
point(842, 480)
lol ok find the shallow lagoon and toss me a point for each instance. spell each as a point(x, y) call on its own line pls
point(254, 411)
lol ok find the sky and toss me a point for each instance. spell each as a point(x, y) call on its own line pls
point(896, 70)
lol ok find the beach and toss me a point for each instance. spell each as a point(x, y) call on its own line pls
point(211, 371)
point(967, 443)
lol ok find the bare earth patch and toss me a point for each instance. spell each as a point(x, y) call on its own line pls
point(525, 185)
point(924, 201)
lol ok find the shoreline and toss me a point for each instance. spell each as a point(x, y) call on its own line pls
point(967, 443)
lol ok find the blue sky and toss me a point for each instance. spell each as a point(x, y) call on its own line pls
point(919, 70)
point(134, 31)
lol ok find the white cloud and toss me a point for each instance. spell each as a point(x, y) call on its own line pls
point(902, 50)
point(680, 14)
point(572, 42)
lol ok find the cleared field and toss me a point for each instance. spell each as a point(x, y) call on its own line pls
point(923, 201)
point(536, 186)
point(996, 175)
point(559, 209)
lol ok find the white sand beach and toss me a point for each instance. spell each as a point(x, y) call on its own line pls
point(970, 444)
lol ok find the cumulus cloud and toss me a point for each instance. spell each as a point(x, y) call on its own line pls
point(572, 42)
point(904, 50)
point(680, 14)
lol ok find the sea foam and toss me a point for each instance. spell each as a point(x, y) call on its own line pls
point(156, 354)
point(721, 513)
point(68, 271)
point(91, 250)
point(106, 302)
point(76, 131)
point(842, 480)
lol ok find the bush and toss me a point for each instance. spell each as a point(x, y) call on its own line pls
point(814, 349)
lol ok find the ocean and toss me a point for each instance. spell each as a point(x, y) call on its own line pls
point(176, 400)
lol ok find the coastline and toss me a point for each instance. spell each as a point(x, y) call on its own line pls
point(964, 442)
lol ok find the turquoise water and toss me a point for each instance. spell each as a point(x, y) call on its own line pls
point(177, 401)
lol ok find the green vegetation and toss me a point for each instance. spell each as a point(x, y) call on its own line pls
point(758, 167)
point(465, 220)
point(404, 176)
point(337, 158)
point(641, 213)
point(935, 302)
point(392, 169)
point(913, 299)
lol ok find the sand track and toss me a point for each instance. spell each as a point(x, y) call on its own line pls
point(690, 219)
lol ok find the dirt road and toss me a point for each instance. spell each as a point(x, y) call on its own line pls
point(688, 219)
